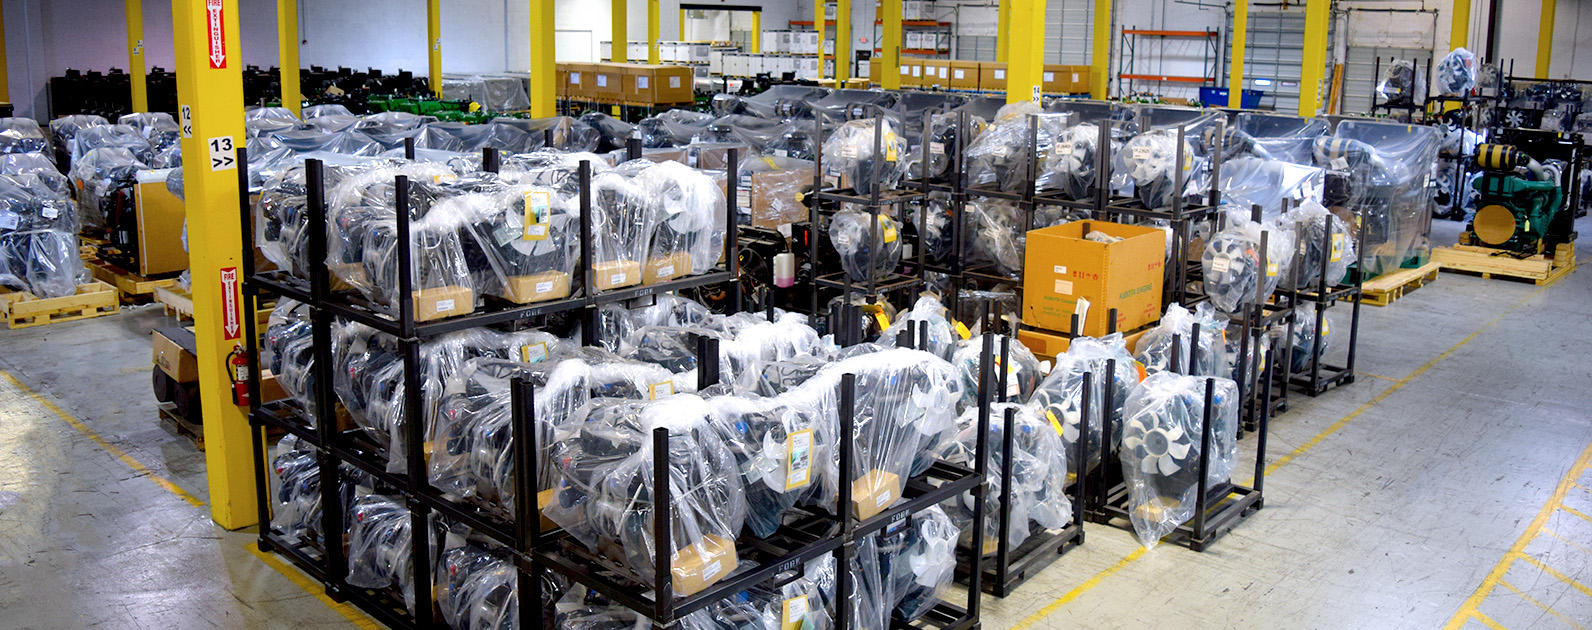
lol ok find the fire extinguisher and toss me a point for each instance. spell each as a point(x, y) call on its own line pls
point(238, 373)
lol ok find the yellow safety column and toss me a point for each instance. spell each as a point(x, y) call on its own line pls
point(544, 70)
point(5, 78)
point(1459, 25)
point(890, 44)
point(1311, 70)
point(287, 48)
point(652, 33)
point(757, 31)
point(682, 25)
point(210, 86)
point(1100, 56)
point(1025, 65)
point(1235, 75)
point(820, 26)
point(620, 47)
point(1545, 37)
point(434, 44)
point(1003, 25)
point(842, 42)
point(135, 54)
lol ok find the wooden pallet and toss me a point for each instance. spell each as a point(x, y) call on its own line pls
point(175, 301)
point(21, 309)
point(1384, 289)
point(1488, 262)
point(132, 286)
point(194, 432)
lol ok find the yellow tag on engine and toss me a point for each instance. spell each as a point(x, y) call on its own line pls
point(1054, 424)
point(444, 179)
point(888, 228)
point(794, 613)
point(890, 147)
point(884, 321)
point(1271, 269)
point(533, 353)
point(660, 390)
point(1337, 248)
point(798, 459)
point(961, 329)
point(538, 207)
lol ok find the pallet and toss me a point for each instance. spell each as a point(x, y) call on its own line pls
point(1488, 262)
point(21, 309)
point(132, 286)
point(194, 432)
point(175, 301)
point(1386, 288)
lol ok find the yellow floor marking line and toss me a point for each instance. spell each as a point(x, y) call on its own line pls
point(312, 587)
point(1281, 461)
point(1569, 581)
point(1080, 590)
point(1385, 378)
point(1567, 541)
point(138, 467)
point(1577, 513)
point(1487, 621)
point(1518, 550)
point(1545, 608)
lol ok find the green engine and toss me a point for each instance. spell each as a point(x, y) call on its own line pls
point(1517, 200)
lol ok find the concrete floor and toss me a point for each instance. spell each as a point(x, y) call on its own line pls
point(1449, 485)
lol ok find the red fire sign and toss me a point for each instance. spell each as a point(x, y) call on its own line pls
point(229, 302)
point(218, 35)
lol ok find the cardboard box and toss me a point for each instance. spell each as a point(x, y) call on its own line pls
point(541, 287)
point(991, 75)
point(1060, 266)
point(1048, 345)
point(160, 219)
point(873, 71)
point(442, 302)
point(616, 274)
point(174, 353)
point(964, 75)
point(1054, 79)
point(911, 73)
point(937, 73)
point(772, 197)
point(667, 267)
point(582, 79)
point(659, 84)
point(874, 492)
point(699, 565)
point(1082, 79)
point(608, 81)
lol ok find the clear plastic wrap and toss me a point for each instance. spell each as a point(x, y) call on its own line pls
point(745, 354)
point(296, 508)
point(289, 352)
point(1163, 425)
point(1059, 400)
point(111, 136)
point(1070, 166)
point(346, 142)
point(1304, 340)
point(740, 129)
point(65, 129)
point(281, 213)
point(101, 177)
point(623, 223)
point(903, 570)
point(775, 445)
point(771, 190)
point(688, 212)
point(928, 314)
point(998, 157)
point(318, 111)
point(161, 130)
point(1247, 181)
point(1401, 83)
point(1022, 372)
point(1149, 160)
point(850, 152)
point(793, 140)
point(477, 584)
point(606, 487)
point(379, 545)
point(333, 123)
point(21, 135)
point(1377, 182)
point(613, 132)
point(938, 235)
point(566, 133)
point(993, 233)
point(38, 237)
point(1281, 137)
point(523, 242)
point(1040, 470)
point(1232, 264)
point(1096, 353)
point(1155, 348)
point(673, 128)
point(866, 252)
point(552, 169)
point(1311, 223)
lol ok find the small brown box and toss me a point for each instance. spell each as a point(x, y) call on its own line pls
point(773, 197)
point(702, 563)
point(639, 84)
point(874, 493)
point(936, 73)
point(991, 76)
point(1056, 79)
point(541, 287)
point(904, 71)
point(873, 71)
point(616, 274)
point(608, 82)
point(666, 267)
point(675, 84)
point(442, 302)
point(1061, 265)
point(581, 79)
point(964, 75)
point(176, 361)
point(1081, 78)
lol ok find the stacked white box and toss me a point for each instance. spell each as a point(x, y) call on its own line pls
point(716, 61)
point(807, 68)
point(829, 11)
point(605, 50)
point(695, 52)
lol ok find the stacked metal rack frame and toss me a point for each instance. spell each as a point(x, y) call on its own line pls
point(1013, 565)
point(1218, 508)
point(318, 426)
point(1320, 376)
point(1260, 392)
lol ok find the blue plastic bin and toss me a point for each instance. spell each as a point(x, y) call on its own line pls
point(1217, 97)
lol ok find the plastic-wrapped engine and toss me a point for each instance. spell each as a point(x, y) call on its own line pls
point(1161, 439)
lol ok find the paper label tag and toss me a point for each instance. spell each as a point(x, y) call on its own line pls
point(574, 77)
point(9, 220)
point(1337, 248)
point(711, 569)
point(794, 613)
point(1339, 164)
point(674, 82)
point(1220, 264)
point(937, 148)
point(1063, 148)
point(533, 353)
point(884, 498)
point(887, 228)
point(961, 329)
point(798, 459)
point(602, 80)
point(616, 279)
point(444, 179)
point(1061, 270)
point(884, 321)
point(538, 204)
point(1050, 77)
point(50, 211)
point(890, 147)
point(849, 151)
point(1141, 152)
point(1064, 287)
point(544, 287)
point(1000, 75)
point(959, 74)
point(223, 157)
point(660, 390)
point(641, 82)
point(665, 271)
point(1271, 269)
point(1054, 424)
point(444, 306)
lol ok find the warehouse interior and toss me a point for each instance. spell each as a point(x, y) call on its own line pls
point(794, 315)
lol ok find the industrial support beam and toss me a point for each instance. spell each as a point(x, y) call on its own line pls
point(1025, 65)
point(890, 44)
point(1545, 37)
point(1100, 55)
point(820, 26)
point(652, 33)
point(1459, 25)
point(842, 42)
point(5, 75)
point(210, 86)
point(1235, 75)
point(619, 46)
point(287, 48)
point(434, 44)
point(1003, 29)
point(544, 70)
point(757, 31)
point(136, 70)
point(682, 26)
point(1313, 68)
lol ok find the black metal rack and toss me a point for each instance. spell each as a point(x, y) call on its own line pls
point(1320, 376)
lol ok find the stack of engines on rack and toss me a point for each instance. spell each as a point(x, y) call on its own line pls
point(38, 218)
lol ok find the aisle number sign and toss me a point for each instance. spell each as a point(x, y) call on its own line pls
point(223, 157)
point(218, 35)
point(185, 119)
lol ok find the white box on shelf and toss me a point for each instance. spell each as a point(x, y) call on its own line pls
point(605, 50)
point(829, 11)
point(716, 62)
point(771, 42)
point(695, 52)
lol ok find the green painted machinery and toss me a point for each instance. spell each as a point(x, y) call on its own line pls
point(1518, 200)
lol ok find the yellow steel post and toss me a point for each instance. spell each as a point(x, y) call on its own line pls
point(1025, 54)
point(620, 48)
point(1100, 55)
point(1235, 77)
point(287, 48)
point(757, 31)
point(5, 79)
point(434, 44)
point(1545, 37)
point(210, 85)
point(135, 54)
point(544, 70)
point(652, 33)
point(1313, 67)
point(1003, 29)
point(682, 25)
point(890, 44)
point(842, 42)
point(1459, 25)
point(822, 28)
